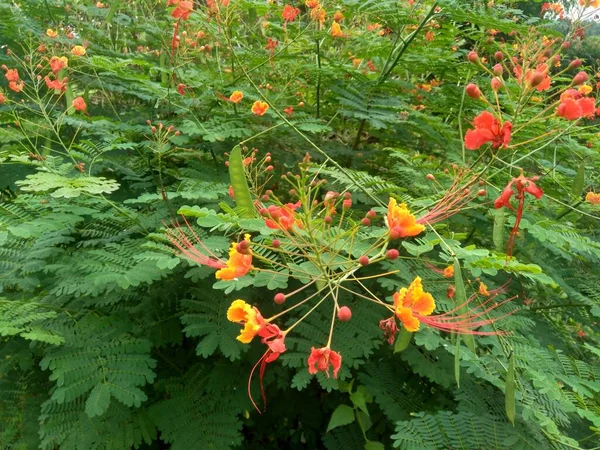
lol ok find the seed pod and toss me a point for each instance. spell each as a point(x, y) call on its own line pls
point(498, 230)
point(243, 199)
point(403, 340)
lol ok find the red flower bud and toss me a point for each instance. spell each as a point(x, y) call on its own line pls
point(276, 243)
point(371, 214)
point(481, 192)
point(473, 57)
point(566, 45)
point(344, 314)
point(363, 260)
point(575, 63)
point(392, 254)
point(580, 78)
point(473, 91)
point(536, 78)
point(279, 298)
point(328, 220)
point(366, 222)
point(498, 56)
point(496, 83)
point(346, 204)
point(263, 212)
point(430, 176)
point(498, 69)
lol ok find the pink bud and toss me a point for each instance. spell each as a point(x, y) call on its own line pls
point(279, 298)
point(363, 260)
point(473, 91)
point(536, 78)
point(580, 78)
point(371, 214)
point(496, 83)
point(498, 69)
point(344, 314)
point(498, 56)
point(328, 220)
point(276, 243)
point(430, 176)
point(346, 204)
point(481, 192)
point(392, 254)
point(263, 212)
point(473, 57)
point(366, 222)
point(566, 45)
point(575, 63)
point(269, 168)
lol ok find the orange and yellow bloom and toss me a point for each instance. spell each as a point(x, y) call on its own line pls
point(51, 33)
point(79, 104)
point(242, 313)
point(260, 108)
point(412, 303)
point(336, 30)
point(448, 272)
point(238, 264)
point(401, 222)
point(593, 198)
point(236, 97)
point(78, 50)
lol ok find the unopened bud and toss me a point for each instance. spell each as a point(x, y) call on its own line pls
point(264, 198)
point(498, 69)
point(580, 78)
point(498, 56)
point(363, 260)
point(536, 78)
point(264, 212)
point(346, 204)
point(276, 243)
point(392, 254)
point(473, 91)
point(481, 192)
point(347, 195)
point(566, 45)
point(366, 222)
point(269, 168)
point(473, 57)
point(328, 220)
point(496, 83)
point(371, 214)
point(576, 63)
point(344, 314)
point(279, 298)
point(450, 291)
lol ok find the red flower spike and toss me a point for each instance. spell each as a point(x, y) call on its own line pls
point(488, 129)
point(321, 358)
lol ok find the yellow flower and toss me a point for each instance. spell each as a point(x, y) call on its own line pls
point(336, 30)
point(585, 89)
point(242, 312)
point(401, 222)
point(260, 108)
point(411, 303)
point(236, 97)
point(592, 198)
point(449, 272)
point(483, 290)
point(78, 50)
point(238, 264)
point(51, 33)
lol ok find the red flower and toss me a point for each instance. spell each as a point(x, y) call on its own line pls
point(321, 358)
point(181, 89)
point(539, 78)
point(283, 217)
point(182, 10)
point(55, 84)
point(573, 105)
point(271, 45)
point(488, 129)
point(389, 328)
point(79, 104)
point(289, 14)
point(12, 75)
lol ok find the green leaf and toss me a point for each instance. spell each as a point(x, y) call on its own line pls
point(342, 415)
point(359, 401)
point(98, 401)
point(403, 340)
point(373, 445)
point(578, 181)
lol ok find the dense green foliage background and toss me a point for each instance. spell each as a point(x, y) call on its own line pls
point(108, 340)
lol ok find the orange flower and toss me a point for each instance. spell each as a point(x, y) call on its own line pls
point(55, 84)
point(236, 97)
point(592, 198)
point(2, 98)
point(318, 14)
point(336, 30)
point(79, 104)
point(312, 3)
point(401, 222)
point(250, 317)
point(12, 75)
point(259, 108)
point(238, 264)
point(411, 303)
point(57, 63)
point(449, 272)
point(16, 86)
point(483, 290)
point(338, 16)
point(321, 358)
point(585, 89)
point(289, 13)
point(183, 10)
point(282, 217)
point(78, 50)
point(51, 33)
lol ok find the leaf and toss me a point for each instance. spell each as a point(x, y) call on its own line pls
point(272, 281)
point(342, 415)
point(237, 174)
point(373, 445)
point(98, 401)
point(578, 181)
point(359, 401)
point(403, 340)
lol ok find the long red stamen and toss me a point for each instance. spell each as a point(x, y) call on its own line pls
point(180, 240)
point(263, 362)
point(453, 202)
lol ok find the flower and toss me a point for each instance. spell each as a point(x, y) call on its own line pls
point(338, 16)
point(483, 290)
point(12, 75)
point(592, 198)
point(289, 14)
point(182, 10)
point(312, 3)
point(260, 108)
point(55, 84)
point(488, 129)
point(539, 78)
point(2, 98)
point(336, 30)
point(413, 303)
point(239, 262)
point(523, 184)
point(78, 50)
point(401, 222)
point(236, 97)
point(283, 217)
point(79, 104)
point(289, 111)
point(51, 33)
point(16, 86)
point(448, 272)
point(573, 105)
point(585, 89)
point(389, 328)
point(58, 63)
point(241, 312)
point(321, 358)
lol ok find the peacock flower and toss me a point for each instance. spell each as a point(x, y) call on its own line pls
point(239, 262)
point(78, 50)
point(236, 97)
point(448, 272)
point(16, 86)
point(51, 33)
point(538, 78)
point(55, 84)
point(242, 313)
point(312, 4)
point(488, 129)
point(289, 14)
point(390, 329)
point(2, 98)
point(57, 63)
point(483, 290)
point(412, 304)
point(321, 358)
point(183, 9)
point(593, 198)
point(401, 222)
point(523, 185)
point(336, 30)
point(260, 108)
point(283, 217)
point(79, 104)
point(12, 75)
point(573, 105)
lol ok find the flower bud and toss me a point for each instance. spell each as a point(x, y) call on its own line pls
point(481, 192)
point(536, 78)
point(263, 212)
point(347, 195)
point(496, 83)
point(344, 314)
point(363, 260)
point(575, 63)
point(473, 91)
point(269, 168)
point(264, 198)
point(279, 298)
point(392, 254)
point(451, 291)
point(276, 243)
point(498, 69)
point(328, 220)
point(366, 222)
point(371, 214)
point(580, 78)
point(346, 204)
point(430, 176)
point(498, 56)
point(565, 45)
point(473, 56)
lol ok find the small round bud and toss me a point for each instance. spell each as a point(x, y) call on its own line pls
point(346, 204)
point(264, 198)
point(366, 222)
point(363, 260)
point(496, 83)
point(392, 254)
point(344, 314)
point(269, 168)
point(473, 91)
point(279, 298)
point(565, 45)
point(451, 291)
point(394, 234)
point(263, 212)
point(580, 78)
point(536, 78)
point(347, 195)
point(292, 192)
point(276, 243)
point(576, 63)
point(328, 220)
point(371, 214)
point(177, 133)
point(498, 69)
point(269, 192)
point(473, 57)
point(430, 177)
point(498, 56)
point(481, 192)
